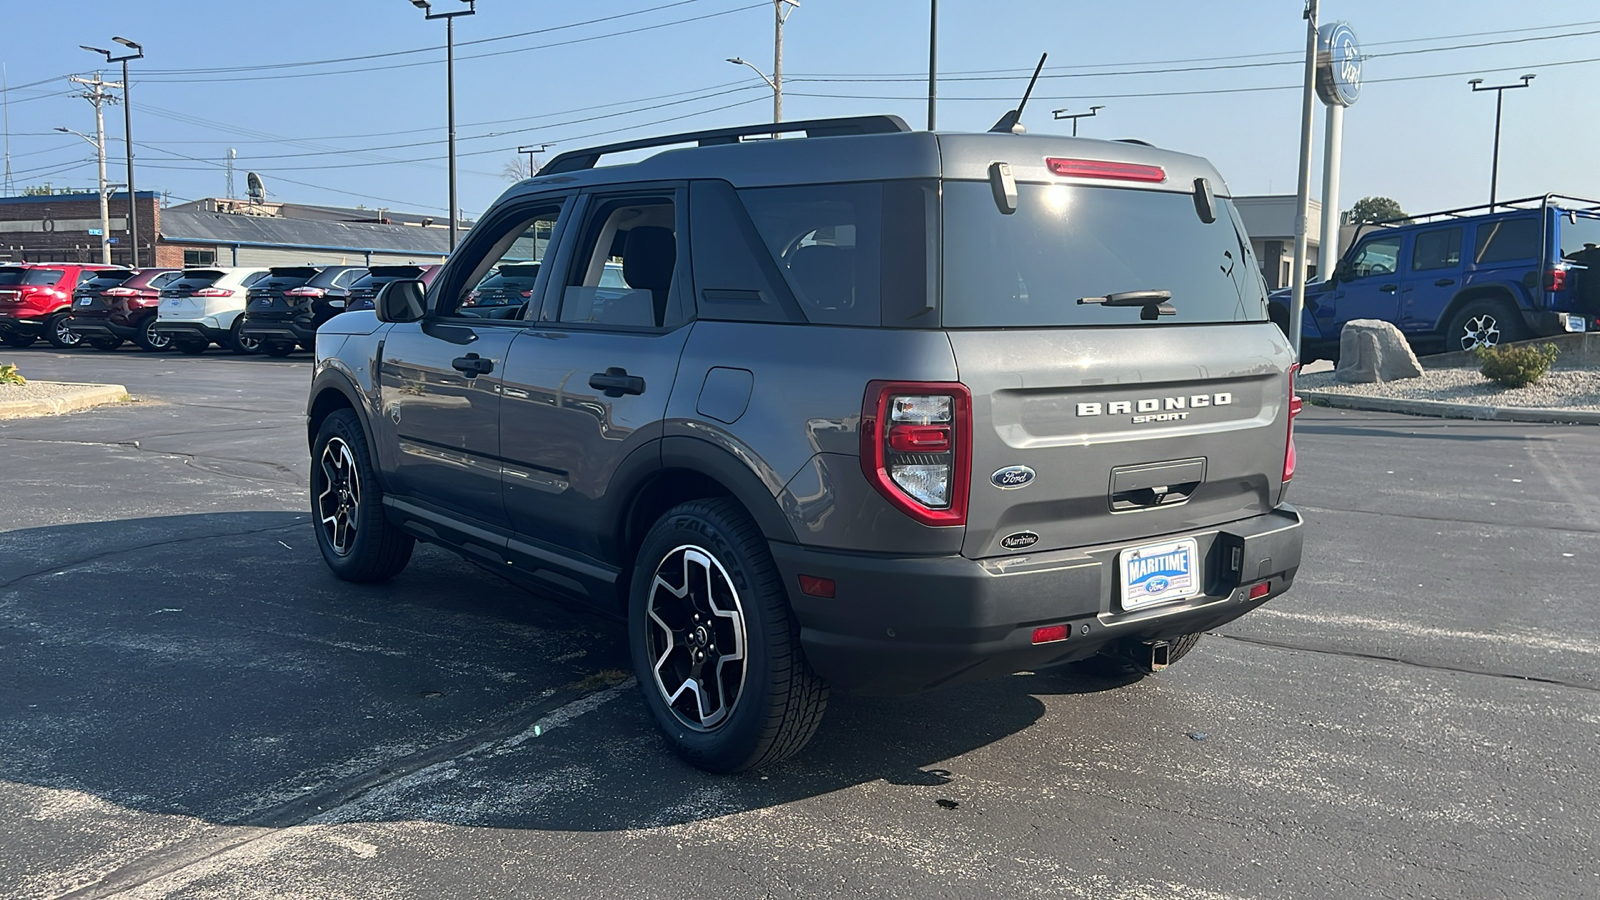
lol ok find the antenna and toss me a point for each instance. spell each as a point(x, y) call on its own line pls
point(255, 188)
point(1012, 121)
point(232, 155)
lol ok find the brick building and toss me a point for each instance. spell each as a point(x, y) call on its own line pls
point(57, 228)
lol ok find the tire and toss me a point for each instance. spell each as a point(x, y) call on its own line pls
point(149, 339)
point(276, 349)
point(191, 347)
point(16, 339)
point(1484, 323)
point(1129, 655)
point(357, 542)
point(762, 702)
point(105, 344)
point(58, 334)
point(240, 343)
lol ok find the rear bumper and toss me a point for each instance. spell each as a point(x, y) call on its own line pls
point(903, 624)
point(1544, 322)
point(191, 330)
point(125, 326)
point(278, 330)
point(24, 322)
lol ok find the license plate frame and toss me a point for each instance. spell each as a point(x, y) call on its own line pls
point(1164, 572)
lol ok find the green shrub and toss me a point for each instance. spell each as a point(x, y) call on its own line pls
point(1517, 365)
point(10, 375)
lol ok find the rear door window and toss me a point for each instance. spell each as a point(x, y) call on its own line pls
point(1507, 240)
point(1437, 249)
point(1068, 242)
point(624, 270)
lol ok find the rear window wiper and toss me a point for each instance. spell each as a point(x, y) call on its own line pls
point(1153, 304)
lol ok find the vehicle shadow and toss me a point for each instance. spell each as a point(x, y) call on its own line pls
point(209, 666)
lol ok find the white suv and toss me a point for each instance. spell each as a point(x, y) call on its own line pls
point(202, 306)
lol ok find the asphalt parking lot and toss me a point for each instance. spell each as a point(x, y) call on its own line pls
point(194, 707)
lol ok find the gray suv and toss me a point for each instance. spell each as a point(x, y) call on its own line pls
point(862, 408)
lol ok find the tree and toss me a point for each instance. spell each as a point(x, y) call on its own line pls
point(1376, 209)
point(517, 169)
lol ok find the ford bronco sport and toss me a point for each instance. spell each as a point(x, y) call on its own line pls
point(872, 408)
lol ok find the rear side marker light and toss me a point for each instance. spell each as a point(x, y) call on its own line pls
point(1111, 171)
point(817, 586)
point(1257, 591)
point(1049, 634)
point(916, 440)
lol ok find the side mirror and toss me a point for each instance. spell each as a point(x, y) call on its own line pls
point(401, 301)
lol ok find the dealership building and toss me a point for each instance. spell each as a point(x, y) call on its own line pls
point(214, 232)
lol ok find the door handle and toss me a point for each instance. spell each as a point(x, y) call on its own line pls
point(472, 365)
point(1389, 288)
point(1444, 282)
point(616, 381)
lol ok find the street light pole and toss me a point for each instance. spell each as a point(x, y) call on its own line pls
point(127, 132)
point(1302, 197)
point(933, 60)
point(450, 88)
point(1093, 110)
point(780, 10)
point(100, 154)
point(1499, 106)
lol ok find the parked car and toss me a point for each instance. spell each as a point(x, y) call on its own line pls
point(285, 308)
point(1463, 278)
point(366, 288)
point(846, 422)
point(203, 306)
point(115, 305)
point(35, 301)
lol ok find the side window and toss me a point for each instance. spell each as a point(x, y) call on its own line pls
point(1507, 240)
point(624, 265)
point(502, 284)
point(347, 277)
point(1378, 256)
point(826, 241)
point(1438, 249)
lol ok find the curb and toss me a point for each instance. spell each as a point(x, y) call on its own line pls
point(89, 395)
point(1441, 409)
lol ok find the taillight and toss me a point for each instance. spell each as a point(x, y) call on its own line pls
point(916, 440)
point(1555, 279)
point(1294, 410)
point(213, 292)
point(305, 292)
point(1097, 168)
point(119, 292)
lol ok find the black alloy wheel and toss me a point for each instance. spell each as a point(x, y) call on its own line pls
point(357, 542)
point(241, 343)
point(715, 647)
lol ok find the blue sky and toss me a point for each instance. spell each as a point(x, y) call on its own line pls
point(372, 131)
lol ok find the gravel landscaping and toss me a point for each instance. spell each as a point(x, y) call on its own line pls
point(1576, 389)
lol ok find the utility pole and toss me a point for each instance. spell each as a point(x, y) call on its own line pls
point(96, 94)
point(933, 61)
point(1499, 105)
point(531, 150)
point(127, 131)
point(780, 10)
point(5, 97)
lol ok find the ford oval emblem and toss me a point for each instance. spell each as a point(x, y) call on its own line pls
point(1012, 477)
point(1019, 541)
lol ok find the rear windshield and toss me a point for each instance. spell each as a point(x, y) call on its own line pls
point(1066, 242)
point(389, 273)
point(190, 282)
point(30, 276)
point(282, 278)
point(1580, 240)
point(99, 281)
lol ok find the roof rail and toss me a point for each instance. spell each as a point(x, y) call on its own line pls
point(578, 160)
point(1580, 203)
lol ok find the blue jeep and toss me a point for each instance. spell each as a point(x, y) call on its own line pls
point(1462, 278)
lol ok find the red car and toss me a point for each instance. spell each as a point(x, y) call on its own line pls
point(116, 305)
point(35, 301)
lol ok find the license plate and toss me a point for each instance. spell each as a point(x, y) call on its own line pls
point(174, 303)
point(1160, 573)
point(1574, 323)
point(85, 301)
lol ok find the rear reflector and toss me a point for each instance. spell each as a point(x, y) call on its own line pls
point(815, 586)
point(1049, 634)
point(1257, 591)
point(1114, 171)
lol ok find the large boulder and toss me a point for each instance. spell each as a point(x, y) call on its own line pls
point(1372, 350)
